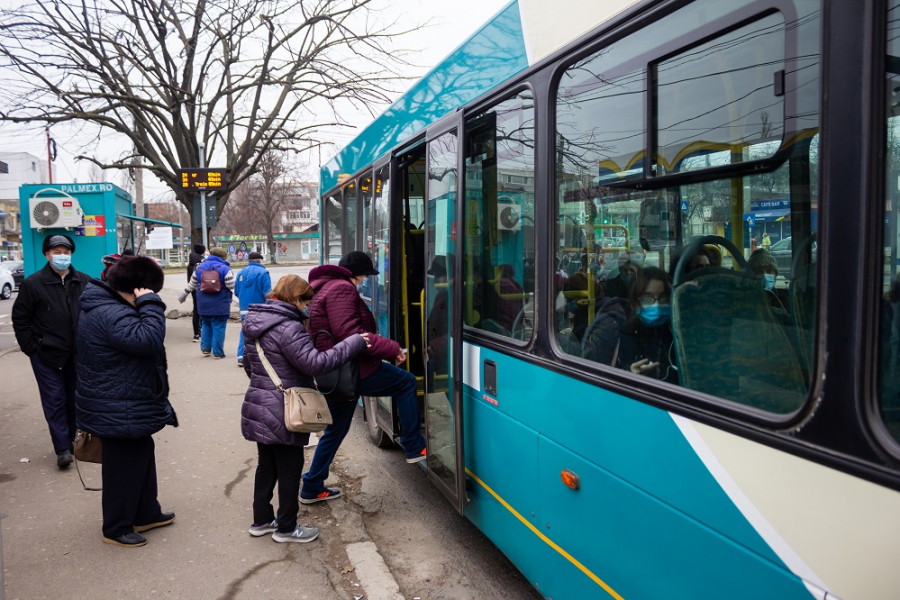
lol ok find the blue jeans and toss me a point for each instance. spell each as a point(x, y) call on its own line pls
point(240, 351)
point(212, 334)
point(388, 380)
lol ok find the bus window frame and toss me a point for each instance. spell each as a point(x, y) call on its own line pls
point(472, 111)
point(625, 383)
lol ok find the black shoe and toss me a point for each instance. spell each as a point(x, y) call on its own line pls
point(163, 520)
point(129, 540)
point(64, 458)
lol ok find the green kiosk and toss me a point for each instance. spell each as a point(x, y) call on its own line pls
point(97, 216)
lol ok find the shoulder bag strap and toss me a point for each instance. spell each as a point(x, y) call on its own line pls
point(268, 366)
point(89, 489)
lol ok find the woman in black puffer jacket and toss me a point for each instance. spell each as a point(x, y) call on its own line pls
point(122, 394)
point(278, 327)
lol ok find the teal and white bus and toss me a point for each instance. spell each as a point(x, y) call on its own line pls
point(618, 421)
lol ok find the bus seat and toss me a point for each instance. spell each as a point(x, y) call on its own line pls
point(729, 344)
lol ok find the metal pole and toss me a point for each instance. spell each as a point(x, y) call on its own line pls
point(2, 579)
point(203, 198)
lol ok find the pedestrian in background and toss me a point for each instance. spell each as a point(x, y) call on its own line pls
point(213, 301)
point(108, 261)
point(196, 257)
point(339, 309)
point(251, 286)
point(277, 326)
point(44, 318)
point(124, 399)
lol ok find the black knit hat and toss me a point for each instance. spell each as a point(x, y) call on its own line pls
point(52, 241)
point(255, 256)
point(199, 248)
point(132, 272)
point(358, 263)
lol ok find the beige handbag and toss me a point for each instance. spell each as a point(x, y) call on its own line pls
point(305, 409)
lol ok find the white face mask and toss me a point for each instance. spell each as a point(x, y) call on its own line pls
point(769, 281)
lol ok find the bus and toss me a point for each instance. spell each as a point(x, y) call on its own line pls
point(620, 422)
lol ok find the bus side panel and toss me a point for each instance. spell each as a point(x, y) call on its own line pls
point(635, 442)
point(504, 456)
point(638, 546)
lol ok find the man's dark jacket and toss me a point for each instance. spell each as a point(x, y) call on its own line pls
point(123, 388)
point(45, 314)
point(193, 260)
point(337, 307)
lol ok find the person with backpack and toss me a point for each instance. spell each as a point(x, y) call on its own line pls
point(252, 285)
point(215, 281)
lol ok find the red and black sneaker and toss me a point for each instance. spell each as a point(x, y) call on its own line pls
point(417, 457)
point(326, 495)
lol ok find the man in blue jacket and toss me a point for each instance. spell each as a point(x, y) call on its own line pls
point(214, 293)
point(252, 285)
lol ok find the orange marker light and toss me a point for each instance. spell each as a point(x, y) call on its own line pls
point(570, 479)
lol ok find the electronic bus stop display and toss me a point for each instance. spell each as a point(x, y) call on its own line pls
point(203, 179)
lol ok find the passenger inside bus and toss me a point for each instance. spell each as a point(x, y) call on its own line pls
point(629, 267)
point(764, 266)
point(583, 295)
point(637, 337)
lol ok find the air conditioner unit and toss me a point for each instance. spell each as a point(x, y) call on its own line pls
point(48, 213)
point(509, 217)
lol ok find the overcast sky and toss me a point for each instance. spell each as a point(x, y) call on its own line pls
point(450, 24)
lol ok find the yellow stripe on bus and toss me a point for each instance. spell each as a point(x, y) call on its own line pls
point(547, 540)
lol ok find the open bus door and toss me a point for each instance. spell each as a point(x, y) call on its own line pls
point(442, 326)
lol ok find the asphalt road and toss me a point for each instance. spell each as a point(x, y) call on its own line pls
point(51, 536)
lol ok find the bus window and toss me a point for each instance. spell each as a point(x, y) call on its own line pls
point(705, 110)
point(351, 206)
point(334, 218)
point(498, 268)
point(381, 251)
point(890, 309)
point(709, 285)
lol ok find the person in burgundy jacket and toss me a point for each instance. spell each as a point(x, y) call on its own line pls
point(339, 309)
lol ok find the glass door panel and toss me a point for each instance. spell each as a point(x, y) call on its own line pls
point(440, 413)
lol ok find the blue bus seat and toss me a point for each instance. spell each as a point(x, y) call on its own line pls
point(729, 344)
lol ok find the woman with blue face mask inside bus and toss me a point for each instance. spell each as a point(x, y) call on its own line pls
point(645, 338)
point(764, 266)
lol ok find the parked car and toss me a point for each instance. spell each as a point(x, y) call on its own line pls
point(17, 268)
point(783, 253)
point(7, 284)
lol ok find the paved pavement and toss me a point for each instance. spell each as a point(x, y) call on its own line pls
point(51, 536)
point(391, 537)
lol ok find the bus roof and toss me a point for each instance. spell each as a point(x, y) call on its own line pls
point(490, 56)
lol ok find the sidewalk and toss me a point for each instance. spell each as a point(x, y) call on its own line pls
point(52, 541)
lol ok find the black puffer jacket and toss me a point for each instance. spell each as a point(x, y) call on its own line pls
point(288, 347)
point(123, 389)
point(45, 314)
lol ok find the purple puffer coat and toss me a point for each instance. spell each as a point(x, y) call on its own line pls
point(277, 325)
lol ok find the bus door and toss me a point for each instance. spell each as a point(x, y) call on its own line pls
point(442, 330)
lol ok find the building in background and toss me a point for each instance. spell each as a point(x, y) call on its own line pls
point(16, 169)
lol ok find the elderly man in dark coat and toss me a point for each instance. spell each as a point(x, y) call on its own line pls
point(339, 309)
point(44, 318)
point(124, 396)
point(278, 329)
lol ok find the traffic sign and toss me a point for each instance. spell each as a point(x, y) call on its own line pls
point(750, 219)
point(684, 206)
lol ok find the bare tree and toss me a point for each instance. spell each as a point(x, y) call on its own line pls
point(168, 75)
point(269, 191)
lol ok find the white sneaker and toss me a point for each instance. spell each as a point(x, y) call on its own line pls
point(301, 534)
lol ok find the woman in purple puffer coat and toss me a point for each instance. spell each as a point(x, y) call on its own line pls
point(278, 327)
